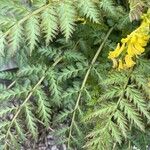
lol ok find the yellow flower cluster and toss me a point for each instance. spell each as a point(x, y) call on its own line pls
point(132, 46)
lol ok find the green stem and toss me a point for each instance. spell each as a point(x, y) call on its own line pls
point(84, 82)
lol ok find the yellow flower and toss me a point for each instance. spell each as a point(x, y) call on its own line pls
point(142, 41)
point(125, 40)
point(135, 49)
point(115, 63)
point(132, 46)
point(139, 48)
point(120, 66)
point(133, 39)
point(130, 50)
point(129, 62)
point(116, 52)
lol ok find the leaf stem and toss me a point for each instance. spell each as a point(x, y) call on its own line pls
point(84, 83)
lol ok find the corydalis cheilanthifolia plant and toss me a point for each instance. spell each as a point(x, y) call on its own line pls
point(61, 70)
point(131, 47)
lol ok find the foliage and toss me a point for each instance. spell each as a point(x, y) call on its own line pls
point(121, 108)
point(63, 74)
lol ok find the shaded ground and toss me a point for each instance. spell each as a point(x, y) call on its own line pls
point(47, 142)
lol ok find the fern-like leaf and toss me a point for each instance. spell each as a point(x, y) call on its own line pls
point(7, 75)
point(2, 43)
point(71, 71)
point(67, 14)
point(15, 38)
point(30, 120)
point(74, 55)
point(43, 110)
point(121, 121)
point(32, 32)
point(138, 100)
point(115, 132)
point(132, 114)
point(14, 93)
point(19, 129)
point(29, 70)
point(49, 23)
point(88, 8)
point(54, 87)
point(49, 52)
point(108, 7)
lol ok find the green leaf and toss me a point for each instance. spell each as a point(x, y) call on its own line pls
point(30, 120)
point(117, 78)
point(71, 71)
point(14, 93)
point(115, 132)
point(74, 56)
point(54, 87)
point(14, 7)
point(106, 109)
point(121, 122)
point(31, 70)
point(19, 129)
point(50, 52)
point(67, 14)
point(88, 8)
point(138, 100)
point(108, 7)
point(32, 31)
point(49, 23)
point(2, 43)
point(15, 38)
point(7, 75)
point(132, 114)
point(43, 105)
